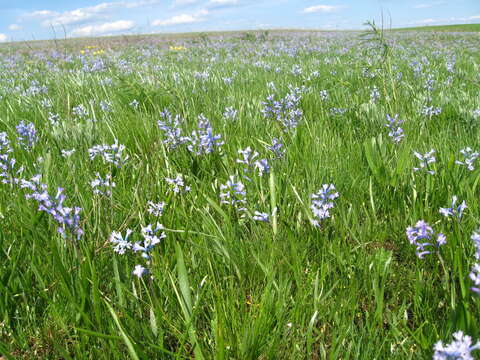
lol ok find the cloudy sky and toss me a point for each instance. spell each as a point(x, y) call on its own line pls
point(46, 19)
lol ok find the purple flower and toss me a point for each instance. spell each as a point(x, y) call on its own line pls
point(259, 216)
point(374, 94)
point(139, 271)
point(475, 277)
point(430, 111)
point(285, 111)
point(475, 272)
point(469, 156)
point(156, 209)
point(8, 174)
point(106, 105)
point(203, 141)
point(322, 202)
point(230, 113)
point(171, 129)
point(276, 148)
point(324, 95)
point(102, 186)
point(459, 349)
point(27, 135)
point(177, 185)
point(122, 244)
point(249, 162)
point(234, 194)
point(68, 218)
point(134, 104)
point(455, 211)
point(80, 111)
point(151, 237)
point(425, 160)
point(110, 153)
point(68, 153)
point(396, 132)
point(422, 236)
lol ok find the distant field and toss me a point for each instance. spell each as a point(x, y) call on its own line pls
point(456, 27)
point(249, 195)
point(170, 38)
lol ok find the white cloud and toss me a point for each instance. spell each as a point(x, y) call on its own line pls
point(223, 2)
point(427, 21)
point(182, 19)
point(135, 4)
point(178, 3)
point(104, 28)
point(86, 14)
point(14, 27)
point(40, 14)
point(218, 4)
point(322, 9)
point(426, 6)
point(3, 37)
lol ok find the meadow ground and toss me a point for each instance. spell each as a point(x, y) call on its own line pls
point(240, 196)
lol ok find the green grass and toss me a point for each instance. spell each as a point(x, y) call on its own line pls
point(454, 27)
point(222, 286)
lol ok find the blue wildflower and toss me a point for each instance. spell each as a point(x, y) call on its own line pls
point(425, 160)
point(459, 349)
point(470, 157)
point(27, 134)
point(396, 132)
point(322, 202)
point(234, 194)
point(122, 244)
point(422, 236)
point(453, 210)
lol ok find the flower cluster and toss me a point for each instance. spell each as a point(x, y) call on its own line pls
point(177, 185)
point(152, 236)
point(374, 94)
point(121, 243)
point(469, 158)
point(453, 210)
point(425, 160)
point(395, 131)
point(230, 113)
point(27, 135)
point(261, 216)
point(422, 236)
point(80, 111)
point(233, 193)
point(68, 218)
point(475, 272)
point(106, 105)
point(322, 202)
point(430, 111)
point(110, 153)
point(285, 111)
point(102, 186)
point(171, 127)
point(248, 157)
point(156, 209)
point(8, 175)
point(276, 148)
point(203, 141)
point(459, 349)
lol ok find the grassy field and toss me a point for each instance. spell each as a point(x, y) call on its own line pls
point(454, 27)
point(159, 204)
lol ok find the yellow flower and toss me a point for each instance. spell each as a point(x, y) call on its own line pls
point(177, 48)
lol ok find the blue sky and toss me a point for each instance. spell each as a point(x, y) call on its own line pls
point(46, 19)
